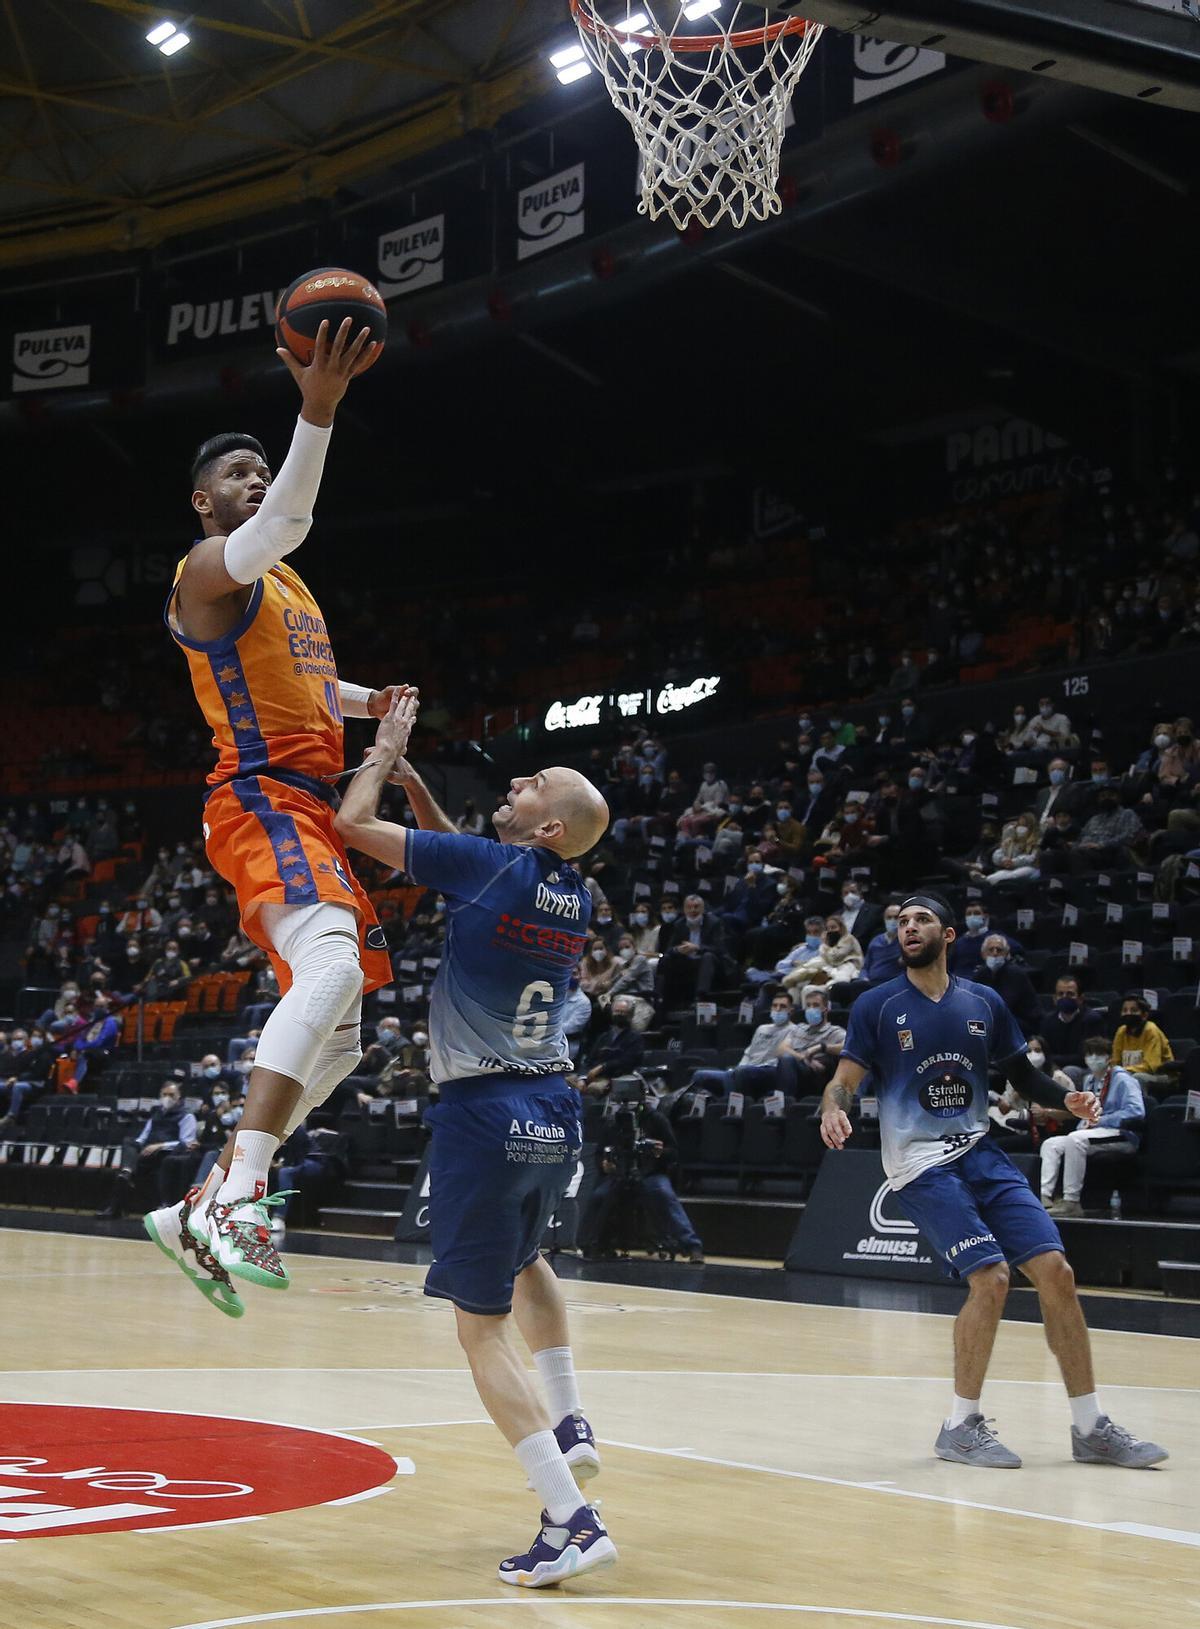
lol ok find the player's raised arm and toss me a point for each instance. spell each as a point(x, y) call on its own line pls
point(357, 823)
point(836, 1101)
point(269, 517)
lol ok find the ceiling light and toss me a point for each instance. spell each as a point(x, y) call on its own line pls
point(175, 43)
point(632, 24)
point(577, 70)
point(701, 8)
point(160, 32)
point(565, 57)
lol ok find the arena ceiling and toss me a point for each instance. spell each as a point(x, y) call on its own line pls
point(107, 145)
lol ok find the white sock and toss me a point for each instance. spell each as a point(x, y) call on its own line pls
point(963, 1406)
point(1085, 1411)
point(557, 1369)
point(251, 1165)
point(550, 1474)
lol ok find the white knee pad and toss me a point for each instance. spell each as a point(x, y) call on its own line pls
point(320, 945)
point(338, 1058)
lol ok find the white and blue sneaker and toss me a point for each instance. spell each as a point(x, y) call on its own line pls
point(578, 1545)
point(578, 1446)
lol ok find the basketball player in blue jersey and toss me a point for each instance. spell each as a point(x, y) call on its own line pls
point(506, 1127)
point(928, 1038)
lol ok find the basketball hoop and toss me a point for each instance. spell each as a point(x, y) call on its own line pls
point(707, 110)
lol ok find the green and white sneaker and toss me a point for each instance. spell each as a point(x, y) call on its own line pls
point(170, 1232)
point(239, 1235)
point(1108, 1443)
point(975, 1443)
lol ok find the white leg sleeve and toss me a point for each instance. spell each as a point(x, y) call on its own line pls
point(320, 945)
point(339, 1057)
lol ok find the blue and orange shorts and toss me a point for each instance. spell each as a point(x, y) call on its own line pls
point(276, 844)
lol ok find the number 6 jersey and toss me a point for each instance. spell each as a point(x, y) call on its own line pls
point(929, 1067)
point(517, 925)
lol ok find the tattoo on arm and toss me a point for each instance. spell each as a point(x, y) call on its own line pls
point(839, 1097)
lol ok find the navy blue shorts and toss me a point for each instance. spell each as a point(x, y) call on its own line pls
point(504, 1152)
point(978, 1210)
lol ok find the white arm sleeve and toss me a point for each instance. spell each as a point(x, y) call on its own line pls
point(285, 514)
point(355, 699)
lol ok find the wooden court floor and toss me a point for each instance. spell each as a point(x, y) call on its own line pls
point(764, 1464)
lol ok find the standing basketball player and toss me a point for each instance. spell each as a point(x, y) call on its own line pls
point(506, 1127)
point(928, 1040)
point(264, 674)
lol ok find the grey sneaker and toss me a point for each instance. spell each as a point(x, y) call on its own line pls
point(1110, 1444)
point(975, 1443)
point(1066, 1207)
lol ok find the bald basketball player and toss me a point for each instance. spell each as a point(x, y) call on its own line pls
point(506, 1127)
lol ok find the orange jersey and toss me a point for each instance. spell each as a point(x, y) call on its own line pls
point(269, 689)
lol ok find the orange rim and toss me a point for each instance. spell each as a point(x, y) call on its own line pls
point(745, 38)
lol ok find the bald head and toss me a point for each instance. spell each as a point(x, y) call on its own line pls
point(557, 808)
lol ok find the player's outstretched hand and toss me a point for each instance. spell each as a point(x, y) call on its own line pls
point(1084, 1106)
point(336, 359)
point(391, 738)
point(381, 700)
point(835, 1128)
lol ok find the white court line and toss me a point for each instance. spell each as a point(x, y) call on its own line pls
point(598, 1600)
point(643, 1289)
point(190, 1413)
point(1171, 1535)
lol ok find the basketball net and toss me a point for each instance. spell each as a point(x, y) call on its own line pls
point(707, 109)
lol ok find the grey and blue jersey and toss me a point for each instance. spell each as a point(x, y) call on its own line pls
point(517, 924)
point(929, 1067)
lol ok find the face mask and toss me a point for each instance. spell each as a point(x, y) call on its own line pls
point(1162, 742)
point(783, 813)
point(1096, 1063)
point(813, 1015)
point(17, 1046)
point(852, 901)
point(1018, 718)
point(420, 1038)
point(1057, 777)
point(755, 868)
point(1099, 780)
point(1133, 1022)
point(172, 955)
point(211, 1071)
point(815, 786)
point(915, 783)
point(604, 920)
point(166, 1102)
point(133, 953)
point(813, 941)
point(1045, 711)
point(220, 1100)
point(891, 926)
point(626, 953)
point(669, 916)
point(974, 922)
point(440, 906)
point(1037, 1059)
point(850, 818)
point(781, 887)
point(779, 1017)
point(599, 953)
point(885, 719)
point(967, 739)
point(640, 918)
point(735, 808)
point(995, 963)
point(104, 910)
point(244, 1065)
point(906, 713)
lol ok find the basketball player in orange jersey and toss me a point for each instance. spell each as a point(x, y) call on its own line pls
point(264, 675)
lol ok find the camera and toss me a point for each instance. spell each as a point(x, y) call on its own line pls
point(631, 1155)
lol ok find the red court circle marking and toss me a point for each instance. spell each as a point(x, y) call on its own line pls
point(66, 1470)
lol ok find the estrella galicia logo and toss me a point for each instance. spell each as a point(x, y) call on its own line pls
point(882, 65)
point(52, 358)
point(413, 257)
point(550, 212)
point(376, 939)
point(945, 1095)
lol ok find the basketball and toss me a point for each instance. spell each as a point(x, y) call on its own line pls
point(328, 294)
